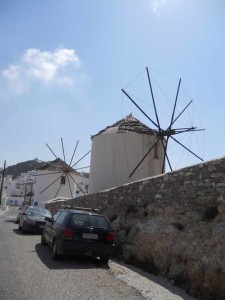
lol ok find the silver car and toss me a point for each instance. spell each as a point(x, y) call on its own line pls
point(33, 219)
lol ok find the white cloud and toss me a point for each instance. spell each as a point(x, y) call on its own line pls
point(43, 66)
point(157, 5)
point(67, 80)
point(12, 73)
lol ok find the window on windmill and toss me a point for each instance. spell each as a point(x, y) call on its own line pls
point(63, 179)
point(156, 154)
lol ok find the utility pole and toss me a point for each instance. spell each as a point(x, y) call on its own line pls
point(24, 199)
point(31, 192)
point(3, 176)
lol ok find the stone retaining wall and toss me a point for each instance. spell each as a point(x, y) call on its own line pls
point(172, 224)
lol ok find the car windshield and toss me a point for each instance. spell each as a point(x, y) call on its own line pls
point(40, 212)
point(84, 220)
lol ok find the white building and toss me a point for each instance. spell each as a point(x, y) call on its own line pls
point(118, 149)
point(57, 179)
point(16, 191)
point(81, 188)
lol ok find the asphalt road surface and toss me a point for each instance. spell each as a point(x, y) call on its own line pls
point(28, 272)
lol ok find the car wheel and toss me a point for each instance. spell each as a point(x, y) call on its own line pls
point(55, 255)
point(43, 241)
point(104, 259)
point(24, 230)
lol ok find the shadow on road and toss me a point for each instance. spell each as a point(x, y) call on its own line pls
point(19, 232)
point(67, 262)
point(10, 219)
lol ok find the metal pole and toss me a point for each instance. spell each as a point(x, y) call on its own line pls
point(3, 176)
point(24, 199)
point(31, 191)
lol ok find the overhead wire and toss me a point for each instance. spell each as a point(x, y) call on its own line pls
point(183, 120)
point(168, 98)
point(129, 83)
point(165, 74)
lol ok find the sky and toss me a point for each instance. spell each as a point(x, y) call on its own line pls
point(63, 65)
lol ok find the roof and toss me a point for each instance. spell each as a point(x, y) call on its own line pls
point(127, 124)
point(58, 199)
point(85, 212)
point(57, 165)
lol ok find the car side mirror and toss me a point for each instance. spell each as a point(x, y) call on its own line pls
point(48, 219)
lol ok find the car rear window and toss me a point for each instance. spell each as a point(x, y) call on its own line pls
point(84, 220)
point(38, 212)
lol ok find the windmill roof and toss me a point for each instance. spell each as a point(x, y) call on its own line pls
point(56, 165)
point(127, 124)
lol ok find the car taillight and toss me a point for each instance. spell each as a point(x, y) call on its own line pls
point(111, 236)
point(68, 233)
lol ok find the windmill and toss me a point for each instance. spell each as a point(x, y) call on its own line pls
point(164, 136)
point(66, 171)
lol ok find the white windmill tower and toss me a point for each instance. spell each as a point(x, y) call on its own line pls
point(118, 149)
point(129, 150)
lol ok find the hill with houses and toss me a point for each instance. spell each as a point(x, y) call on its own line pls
point(26, 166)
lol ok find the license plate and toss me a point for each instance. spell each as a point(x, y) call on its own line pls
point(90, 236)
point(88, 253)
point(41, 226)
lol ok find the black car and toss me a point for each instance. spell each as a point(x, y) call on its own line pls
point(33, 219)
point(79, 231)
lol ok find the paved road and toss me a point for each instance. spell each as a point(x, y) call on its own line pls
point(28, 272)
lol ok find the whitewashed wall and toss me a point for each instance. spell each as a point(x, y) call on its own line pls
point(50, 193)
point(43, 181)
point(115, 155)
point(82, 187)
point(14, 200)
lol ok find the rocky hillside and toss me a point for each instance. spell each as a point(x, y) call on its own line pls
point(26, 166)
point(22, 167)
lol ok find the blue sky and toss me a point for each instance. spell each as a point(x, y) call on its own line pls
point(63, 64)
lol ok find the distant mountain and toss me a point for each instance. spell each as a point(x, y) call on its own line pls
point(22, 167)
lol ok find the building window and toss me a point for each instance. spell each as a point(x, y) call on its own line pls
point(77, 192)
point(63, 179)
